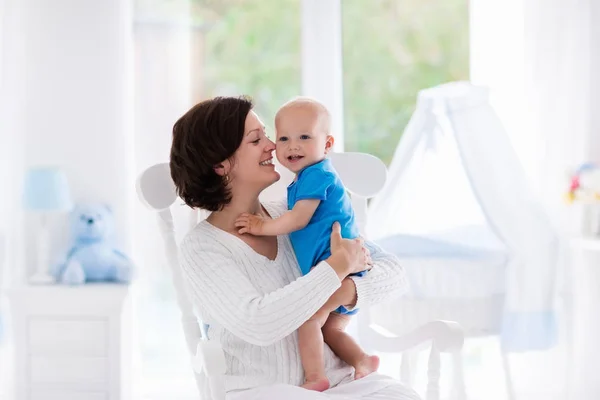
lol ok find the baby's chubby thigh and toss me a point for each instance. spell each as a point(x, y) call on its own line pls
point(336, 323)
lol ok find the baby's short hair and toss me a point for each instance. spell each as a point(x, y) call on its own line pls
point(305, 101)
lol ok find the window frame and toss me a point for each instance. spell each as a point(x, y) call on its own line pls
point(321, 34)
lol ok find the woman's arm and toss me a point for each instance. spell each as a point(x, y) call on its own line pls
point(386, 279)
point(218, 286)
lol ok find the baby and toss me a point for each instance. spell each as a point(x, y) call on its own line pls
point(316, 199)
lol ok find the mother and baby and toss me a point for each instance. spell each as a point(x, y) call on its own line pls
point(277, 283)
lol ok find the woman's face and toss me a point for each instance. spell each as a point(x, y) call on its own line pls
point(253, 161)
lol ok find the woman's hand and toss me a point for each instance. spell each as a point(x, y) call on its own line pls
point(348, 256)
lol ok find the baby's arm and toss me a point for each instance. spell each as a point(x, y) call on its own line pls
point(293, 220)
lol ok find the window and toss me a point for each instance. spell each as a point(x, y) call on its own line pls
point(391, 50)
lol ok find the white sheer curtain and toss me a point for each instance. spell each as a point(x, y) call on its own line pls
point(559, 77)
point(4, 143)
point(12, 67)
point(162, 93)
point(537, 56)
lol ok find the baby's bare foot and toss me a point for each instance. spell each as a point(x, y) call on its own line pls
point(366, 366)
point(319, 384)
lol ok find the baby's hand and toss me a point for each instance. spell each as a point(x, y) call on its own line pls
point(249, 223)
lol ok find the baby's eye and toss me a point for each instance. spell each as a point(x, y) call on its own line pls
point(304, 137)
point(283, 139)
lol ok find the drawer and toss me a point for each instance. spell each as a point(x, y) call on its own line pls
point(68, 337)
point(81, 371)
point(44, 394)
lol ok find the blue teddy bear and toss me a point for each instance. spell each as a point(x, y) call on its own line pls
point(92, 257)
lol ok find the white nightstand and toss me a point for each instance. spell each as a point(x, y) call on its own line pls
point(72, 342)
point(584, 311)
point(587, 243)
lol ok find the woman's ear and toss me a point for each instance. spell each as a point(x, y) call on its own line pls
point(223, 168)
point(329, 144)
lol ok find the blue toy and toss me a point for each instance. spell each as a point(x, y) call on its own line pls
point(92, 257)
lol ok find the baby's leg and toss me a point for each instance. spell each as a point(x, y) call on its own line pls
point(310, 342)
point(346, 348)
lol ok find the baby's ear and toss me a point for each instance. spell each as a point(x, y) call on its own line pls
point(329, 144)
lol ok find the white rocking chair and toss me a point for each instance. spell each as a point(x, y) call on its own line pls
point(364, 176)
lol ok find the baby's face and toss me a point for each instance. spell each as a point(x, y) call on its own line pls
point(302, 139)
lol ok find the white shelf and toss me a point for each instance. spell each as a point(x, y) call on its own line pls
point(588, 243)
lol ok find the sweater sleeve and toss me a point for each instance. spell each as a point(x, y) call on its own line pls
point(219, 286)
point(385, 280)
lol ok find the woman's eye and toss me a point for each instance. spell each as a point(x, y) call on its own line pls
point(256, 141)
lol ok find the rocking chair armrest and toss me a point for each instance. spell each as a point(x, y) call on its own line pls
point(448, 336)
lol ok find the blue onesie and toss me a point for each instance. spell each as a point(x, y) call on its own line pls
point(311, 244)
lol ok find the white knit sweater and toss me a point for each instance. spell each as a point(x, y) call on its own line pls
point(254, 305)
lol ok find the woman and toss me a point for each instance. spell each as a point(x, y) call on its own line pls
point(249, 289)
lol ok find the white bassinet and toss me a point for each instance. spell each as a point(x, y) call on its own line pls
point(458, 211)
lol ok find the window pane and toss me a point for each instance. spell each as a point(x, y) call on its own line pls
point(391, 50)
point(249, 47)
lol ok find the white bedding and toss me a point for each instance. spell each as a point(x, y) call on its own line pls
point(454, 278)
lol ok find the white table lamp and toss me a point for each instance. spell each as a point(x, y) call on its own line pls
point(46, 190)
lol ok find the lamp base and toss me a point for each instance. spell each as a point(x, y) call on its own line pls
point(40, 278)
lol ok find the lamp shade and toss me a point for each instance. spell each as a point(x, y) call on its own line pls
point(46, 189)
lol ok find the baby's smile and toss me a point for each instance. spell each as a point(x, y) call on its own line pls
point(294, 158)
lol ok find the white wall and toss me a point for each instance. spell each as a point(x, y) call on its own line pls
point(69, 97)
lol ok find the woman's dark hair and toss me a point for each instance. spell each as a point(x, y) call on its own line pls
point(208, 134)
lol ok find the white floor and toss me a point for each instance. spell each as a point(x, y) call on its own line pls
point(536, 376)
point(484, 375)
